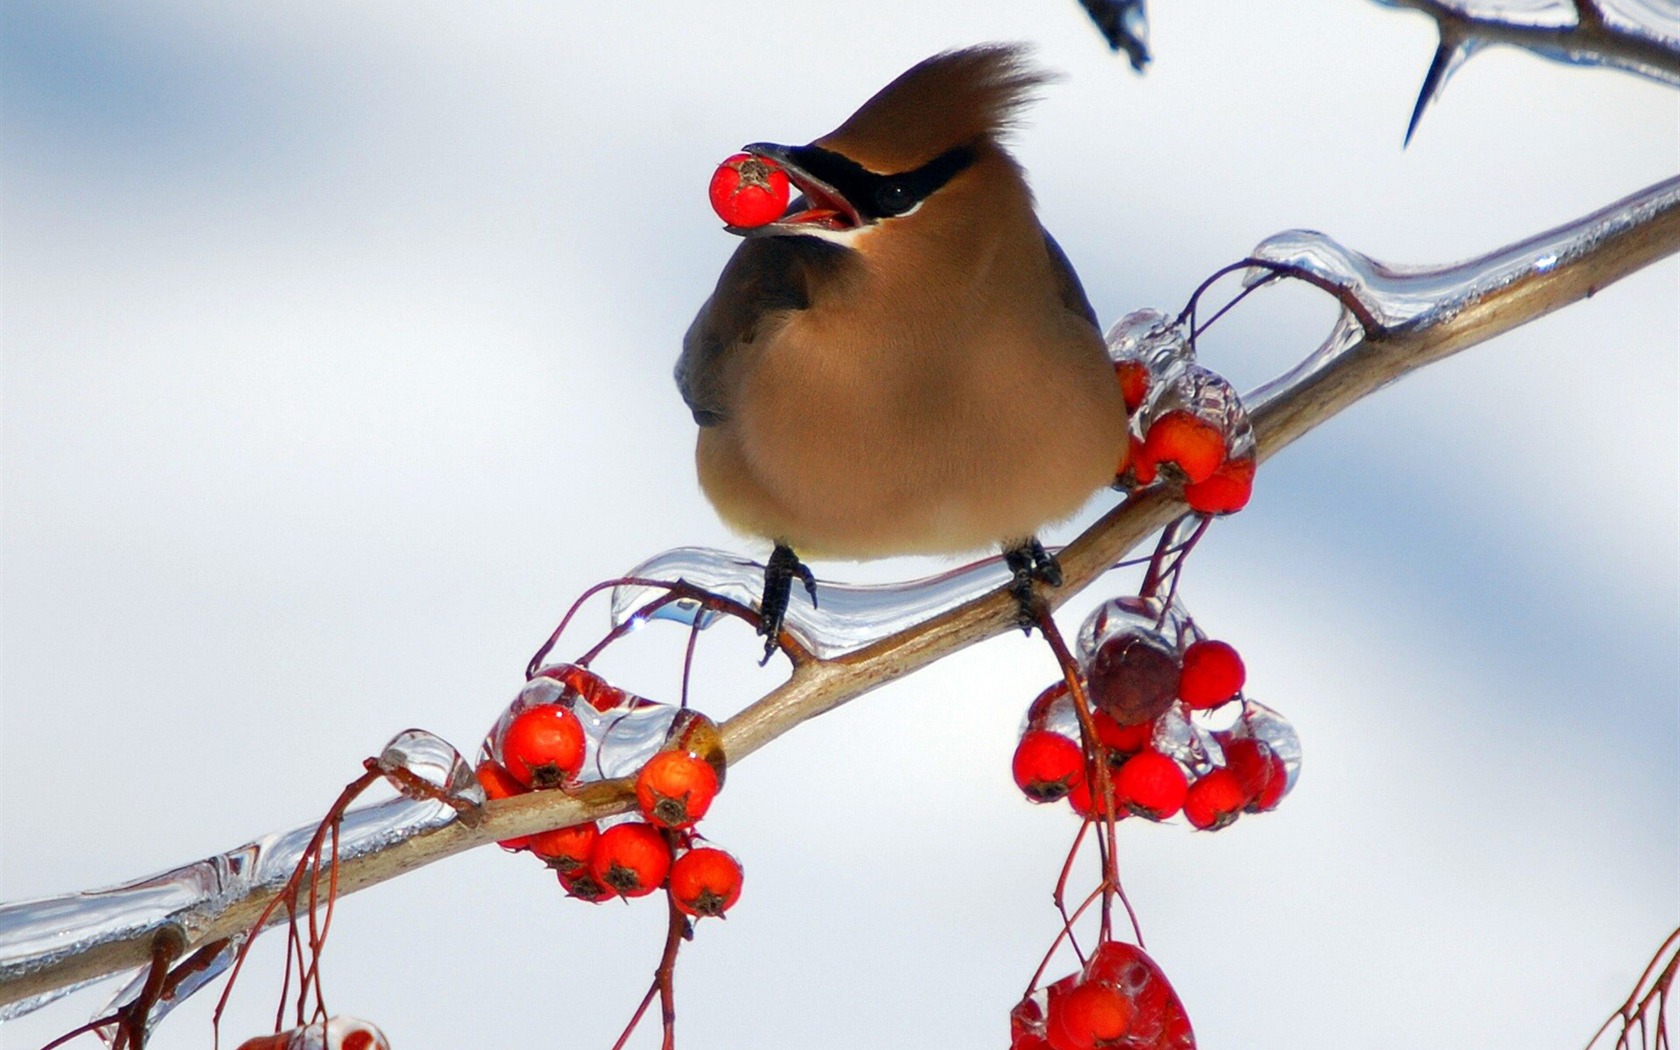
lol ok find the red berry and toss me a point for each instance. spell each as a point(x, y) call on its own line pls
point(1213, 673)
point(1215, 800)
point(1133, 678)
point(1225, 491)
point(749, 191)
point(1134, 382)
point(1124, 740)
point(566, 849)
point(1088, 1015)
point(630, 859)
point(1047, 765)
point(675, 789)
point(1080, 798)
point(1152, 785)
point(705, 882)
point(1259, 770)
point(543, 746)
point(1158, 1020)
point(1192, 444)
point(498, 783)
point(585, 887)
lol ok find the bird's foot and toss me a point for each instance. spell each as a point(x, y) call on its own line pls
point(1030, 563)
point(779, 573)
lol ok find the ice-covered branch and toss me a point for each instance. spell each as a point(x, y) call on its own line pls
point(1633, 35)
point(1394, 322)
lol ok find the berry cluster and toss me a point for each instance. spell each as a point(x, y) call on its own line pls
point(1173, 729)
point(1188, 426)
point(1119, 999)
point(569, 726)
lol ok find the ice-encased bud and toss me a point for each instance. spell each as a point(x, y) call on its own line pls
point(433, 760)
point(1209, 397)
point(1129, 612)
point(694, 733)
point(1266, 725)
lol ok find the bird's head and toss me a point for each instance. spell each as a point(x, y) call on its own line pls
point(938, 123)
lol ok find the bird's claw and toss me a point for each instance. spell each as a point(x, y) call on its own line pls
point(779, 573)
point(1030, 563)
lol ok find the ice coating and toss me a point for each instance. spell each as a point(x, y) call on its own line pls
point(1188, 741)
point(1207, 395)
point(1145, 616)
point(130, 991)
point(1634, 36)
point(433, 760)
point(39, 933)
point(849, 616)
point(1149, 336)
point(1395, 297)
point(621, 730)
point(1266, 725)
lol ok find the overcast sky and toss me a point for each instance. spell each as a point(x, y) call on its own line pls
point(337, 350)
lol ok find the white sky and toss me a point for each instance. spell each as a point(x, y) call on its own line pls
point(337, 348)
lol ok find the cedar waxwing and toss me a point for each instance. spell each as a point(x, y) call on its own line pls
point(904, 362)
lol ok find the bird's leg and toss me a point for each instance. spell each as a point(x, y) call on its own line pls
point(1030, 563)
point(779, 574)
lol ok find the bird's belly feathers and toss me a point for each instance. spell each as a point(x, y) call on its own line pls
point(861, 455)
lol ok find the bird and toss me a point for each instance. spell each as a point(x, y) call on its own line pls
point(905, 362)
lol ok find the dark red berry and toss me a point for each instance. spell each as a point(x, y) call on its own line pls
point(1133, 678)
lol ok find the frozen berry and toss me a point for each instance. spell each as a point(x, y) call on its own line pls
point(705, 882)
point(1214, 801)
point(1152, 785)
point(749, 191)
point(1089, 1015)
point(1213, 673)
point(543, 746)
point(675, 789)
point(1047, 765)
point(1191, 444)
point(566, 849)
point(1134, 382)
point(1133, 677)
point(1259, 770)
point(1225, 491)
point(630, 859)
point(1124, 740)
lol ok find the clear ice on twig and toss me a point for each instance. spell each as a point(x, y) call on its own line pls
point(621, 730)
point(849, 617)
point(38, 934)
point(1417, 297)
point(433, 760)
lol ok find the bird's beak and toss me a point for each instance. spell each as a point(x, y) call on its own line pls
point(818, 207)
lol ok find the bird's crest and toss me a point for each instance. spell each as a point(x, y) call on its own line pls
point(952, 99)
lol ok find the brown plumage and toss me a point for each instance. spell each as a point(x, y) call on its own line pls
point(905, 362)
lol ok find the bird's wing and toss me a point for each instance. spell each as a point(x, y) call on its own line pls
point(765, 279)
point(1067, 282)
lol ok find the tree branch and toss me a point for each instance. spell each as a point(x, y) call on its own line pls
point(1471, 303)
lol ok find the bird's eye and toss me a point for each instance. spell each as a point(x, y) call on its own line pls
point(894, 197)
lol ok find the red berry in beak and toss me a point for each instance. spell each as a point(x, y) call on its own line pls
point(749, 191)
